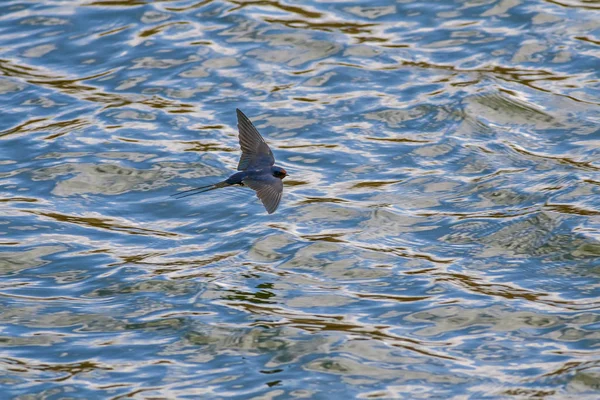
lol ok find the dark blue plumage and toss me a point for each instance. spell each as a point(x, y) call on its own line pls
point(256, 166)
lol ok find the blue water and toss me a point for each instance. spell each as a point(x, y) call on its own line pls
point(439, 233)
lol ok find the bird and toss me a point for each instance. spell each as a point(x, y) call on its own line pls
point(256, 168)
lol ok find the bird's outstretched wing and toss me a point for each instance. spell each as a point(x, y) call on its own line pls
point(268, 189)
point(255, 151)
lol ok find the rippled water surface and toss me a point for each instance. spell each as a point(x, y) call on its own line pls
point(439, 235)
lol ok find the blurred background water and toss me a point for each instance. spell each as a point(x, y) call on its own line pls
point(439, 233)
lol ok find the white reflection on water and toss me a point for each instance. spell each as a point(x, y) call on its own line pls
point(438, 232)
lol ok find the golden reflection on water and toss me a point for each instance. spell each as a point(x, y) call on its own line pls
point(102, 223)
point(438, 232)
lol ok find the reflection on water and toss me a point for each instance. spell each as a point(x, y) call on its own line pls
point(439, 231)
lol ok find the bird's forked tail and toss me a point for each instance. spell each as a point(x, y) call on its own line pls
point(200, 189)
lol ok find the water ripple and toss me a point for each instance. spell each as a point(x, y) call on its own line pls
point(439, 230)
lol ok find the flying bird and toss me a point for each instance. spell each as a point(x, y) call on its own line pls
point(256, 166)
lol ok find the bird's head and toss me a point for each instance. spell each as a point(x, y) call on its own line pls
point(279, 172)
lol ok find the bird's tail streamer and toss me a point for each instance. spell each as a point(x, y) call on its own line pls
point(198, 190)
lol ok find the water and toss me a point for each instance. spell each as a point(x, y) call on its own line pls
point(439, 235)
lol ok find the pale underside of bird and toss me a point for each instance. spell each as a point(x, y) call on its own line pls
point(256, 168)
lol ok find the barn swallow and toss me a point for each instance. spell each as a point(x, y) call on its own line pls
point(256, 166)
